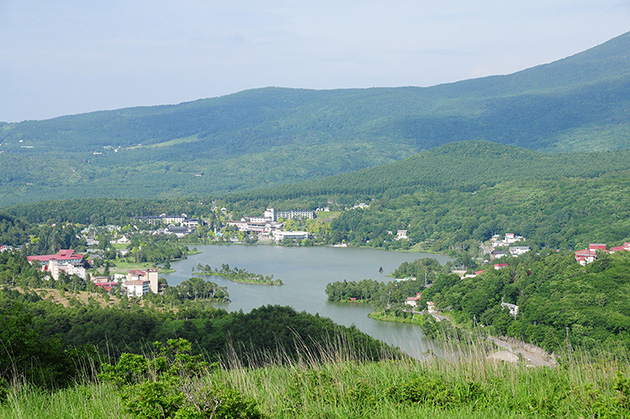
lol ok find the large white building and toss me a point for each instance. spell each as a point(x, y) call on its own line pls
point(55, 269)
point(278, 235)
point(65, 261)
point(137, 288)
point(288, 215)
point(150, 276)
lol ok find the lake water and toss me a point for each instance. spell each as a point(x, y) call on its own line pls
point(305, 272)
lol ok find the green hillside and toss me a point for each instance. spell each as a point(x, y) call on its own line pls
point(462, 166)
point(561, 304)
point(274, 136)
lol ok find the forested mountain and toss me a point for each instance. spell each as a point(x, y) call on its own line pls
point(463, 166)
point(277, 136)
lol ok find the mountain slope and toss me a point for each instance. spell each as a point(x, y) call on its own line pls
point(277, 136)
point(462, 166)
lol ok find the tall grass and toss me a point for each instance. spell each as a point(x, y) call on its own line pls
point(89, 401)
point(334, 380)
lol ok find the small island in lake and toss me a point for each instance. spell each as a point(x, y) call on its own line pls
point(237, 275)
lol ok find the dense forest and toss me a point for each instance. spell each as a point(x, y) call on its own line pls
point(415, 277)
point(237, 275)
point(462, 166)
point(104, 211)
point(244, 141)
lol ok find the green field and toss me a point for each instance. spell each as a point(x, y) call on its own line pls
point(123, 267)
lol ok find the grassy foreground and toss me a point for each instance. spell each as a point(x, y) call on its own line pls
point(344, 388)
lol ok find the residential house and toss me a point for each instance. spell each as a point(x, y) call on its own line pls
point(496, 254)
point(177, 231)
point(586, 256)
point(401, 234)
point(289, 215)
point(510, 238)
point(55, 269)
point(625, 246)
point(413, 301)
point(123, 240)
point(137, 288)
point(518, 250)
point(512, 307)
point(108, 286)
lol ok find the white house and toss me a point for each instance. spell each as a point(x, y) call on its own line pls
point(123, 240)
point(55, 268)
point(512, 307)
point(518, 250)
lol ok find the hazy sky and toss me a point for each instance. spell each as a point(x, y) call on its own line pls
point(72, 56)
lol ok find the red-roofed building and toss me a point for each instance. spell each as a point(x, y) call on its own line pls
point(65, 261)
point(500, 266)
point(413, 301)
point(625, 246)
point(64, 257)
point(586, 256)
point(107, 285)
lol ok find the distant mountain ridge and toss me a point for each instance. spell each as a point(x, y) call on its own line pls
point(274, 136)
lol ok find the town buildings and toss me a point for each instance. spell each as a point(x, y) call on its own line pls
point(180, 220)
point(269, 226)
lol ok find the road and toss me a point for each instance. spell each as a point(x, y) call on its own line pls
point(521, 349)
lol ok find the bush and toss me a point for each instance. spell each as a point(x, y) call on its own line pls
point(168, 386)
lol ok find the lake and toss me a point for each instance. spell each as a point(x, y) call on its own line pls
point(305, 272)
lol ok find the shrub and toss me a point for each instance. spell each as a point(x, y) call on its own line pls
point(168, 386)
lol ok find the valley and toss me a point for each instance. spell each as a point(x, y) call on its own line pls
point(411, 233)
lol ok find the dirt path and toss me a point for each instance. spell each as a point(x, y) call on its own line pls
point(533, 355)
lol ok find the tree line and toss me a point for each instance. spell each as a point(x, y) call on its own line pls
point(44, 343)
